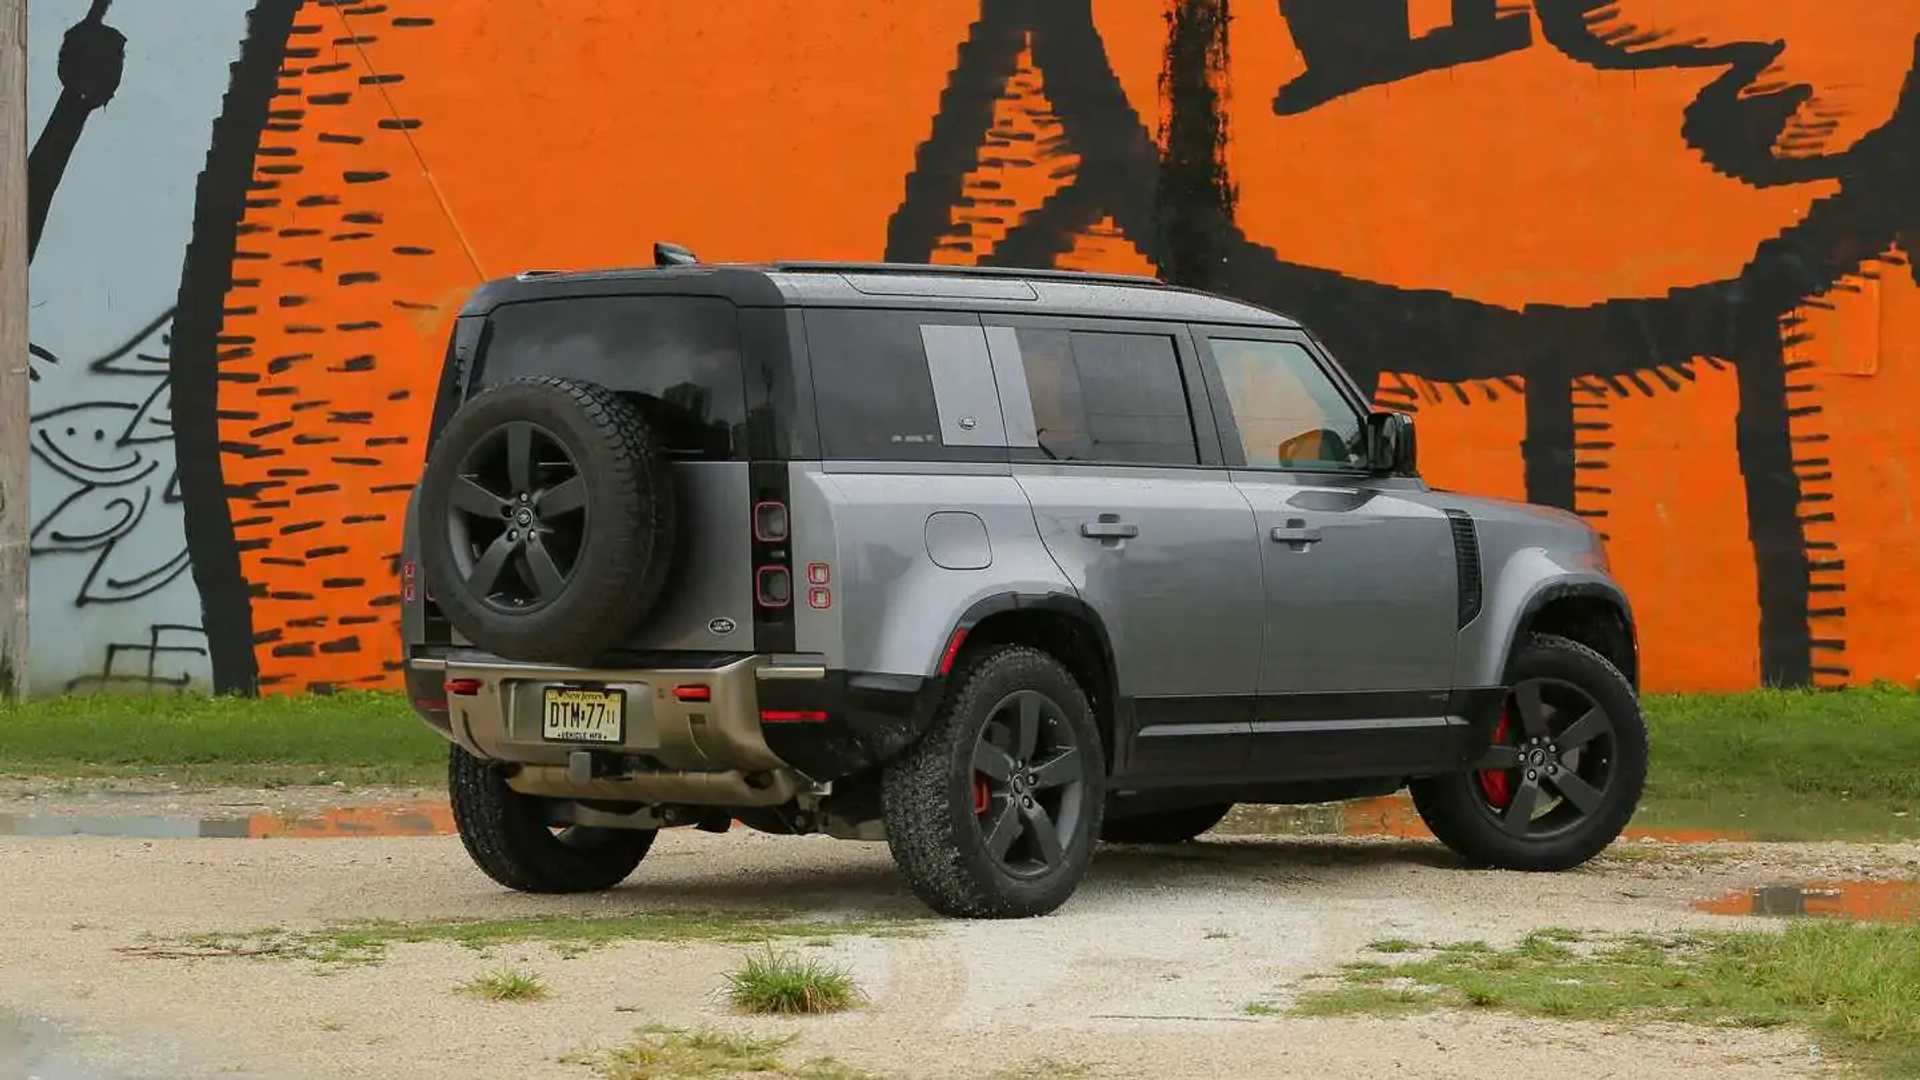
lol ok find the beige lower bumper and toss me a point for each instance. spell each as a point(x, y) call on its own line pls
point(703, 752)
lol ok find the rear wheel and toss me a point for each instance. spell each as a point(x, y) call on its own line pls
point(1164, 827)
point(1564, 773)
point(993, 812)
point(508, 836)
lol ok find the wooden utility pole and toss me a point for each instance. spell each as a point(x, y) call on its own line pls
point(13, 349)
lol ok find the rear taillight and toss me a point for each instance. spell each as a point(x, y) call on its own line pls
point(693, 693)
point(770, 522)
point(773, 586)
point(463, 687)
point(406, 581)
point(793, 716)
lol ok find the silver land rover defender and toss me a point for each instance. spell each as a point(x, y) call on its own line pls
point(989, 564)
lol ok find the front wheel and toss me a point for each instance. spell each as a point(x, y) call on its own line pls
point(1564, 772)
point(993, 813)
point(508, 836)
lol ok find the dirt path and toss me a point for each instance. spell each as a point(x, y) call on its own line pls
point(1146, 972)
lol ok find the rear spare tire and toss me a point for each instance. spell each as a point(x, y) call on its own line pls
point(546, 520)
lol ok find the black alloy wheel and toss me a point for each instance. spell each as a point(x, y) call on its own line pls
point(1563, 770)
point(1552, 760)
point(517, 517)
point(1028, 784)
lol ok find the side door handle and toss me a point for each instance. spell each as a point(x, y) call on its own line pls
point(1109, 527)
point(1295, 533)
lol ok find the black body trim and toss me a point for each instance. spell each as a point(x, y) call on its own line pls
point(773, 630)
point(1584, 589)
point(1466, 562)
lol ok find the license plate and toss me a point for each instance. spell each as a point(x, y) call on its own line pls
point(569, 714)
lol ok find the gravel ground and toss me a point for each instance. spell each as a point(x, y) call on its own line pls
point(1145, 972)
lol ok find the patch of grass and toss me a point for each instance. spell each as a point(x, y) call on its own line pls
point(663, 1053)
point(365, 943)
point(1857, 987)
point(1394, 945)
point(355, 738)
point(1262, 1008)
point(507, 984)
point(1800, 764)
point(783, 983)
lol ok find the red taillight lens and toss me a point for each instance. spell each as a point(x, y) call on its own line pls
point(819, 599)
point(773, 586)
point(793, 716)
point(463, 687)
point(693, 693)
point(819, 573)
point(769, 522)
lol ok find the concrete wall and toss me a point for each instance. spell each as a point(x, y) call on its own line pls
point(1648, 261)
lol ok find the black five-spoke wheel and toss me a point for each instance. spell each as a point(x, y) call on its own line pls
point(1551, 769)
point(517, 516)
point(1027, 783)
point(1563, 772)
point(995, 810)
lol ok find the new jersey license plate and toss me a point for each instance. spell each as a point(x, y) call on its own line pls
point(570, 714)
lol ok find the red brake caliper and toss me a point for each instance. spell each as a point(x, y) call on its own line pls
point(1495, 783)
point(979, 793)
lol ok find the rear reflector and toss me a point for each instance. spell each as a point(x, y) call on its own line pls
point(792, 716)
point(463, 687)
point(819, 573)
point(773, 586)
point(958, 639)
point(693, 693)
point(769, 522)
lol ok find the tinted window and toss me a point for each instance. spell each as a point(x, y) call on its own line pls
point(903, 386)
point(679, 355)
point(1106, 397)
point(1288, 412)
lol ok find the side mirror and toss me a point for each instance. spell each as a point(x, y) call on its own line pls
point(1390, 443)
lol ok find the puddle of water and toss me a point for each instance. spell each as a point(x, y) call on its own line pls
point(30, 1048)
point(426, 818)
point(1394, 816)
point(1866, 901)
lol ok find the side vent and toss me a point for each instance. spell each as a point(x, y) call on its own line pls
point(1466, 563)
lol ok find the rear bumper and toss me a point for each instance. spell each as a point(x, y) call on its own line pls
point(769, 727)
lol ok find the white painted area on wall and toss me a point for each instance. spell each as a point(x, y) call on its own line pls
point(112, 599)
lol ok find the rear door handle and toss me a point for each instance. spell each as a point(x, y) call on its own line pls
point(1295, 532)
point(1109, 527)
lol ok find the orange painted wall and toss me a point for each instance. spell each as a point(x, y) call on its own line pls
point(418, 149)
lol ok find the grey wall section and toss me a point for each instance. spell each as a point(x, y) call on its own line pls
point(113, 602)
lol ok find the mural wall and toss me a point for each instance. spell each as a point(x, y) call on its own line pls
point(1650, 260)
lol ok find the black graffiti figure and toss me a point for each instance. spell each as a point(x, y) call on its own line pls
point(1177, 206)
point(92, 58)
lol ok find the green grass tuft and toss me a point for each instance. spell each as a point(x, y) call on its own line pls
point(786, 984)
point(663, 1053)
point(367, 943)
point(507, 984)
point(1856, 986)
point(1394, 945)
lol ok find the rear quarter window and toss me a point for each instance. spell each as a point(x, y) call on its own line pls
point(903, 386)
point(679, 356)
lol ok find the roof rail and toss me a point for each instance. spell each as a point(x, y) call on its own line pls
point(1046, 274)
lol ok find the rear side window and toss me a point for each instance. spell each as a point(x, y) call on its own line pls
point(903, 386)
point(1100, 397)
point(678, 355)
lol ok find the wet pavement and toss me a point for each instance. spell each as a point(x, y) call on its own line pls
point(1865, 901)
point(423, 818)
point(32, 1049)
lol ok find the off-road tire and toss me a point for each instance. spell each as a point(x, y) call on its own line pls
point(510, 840)
point(927, 803)
point(1163, 827)
point(627, 541)
point(1450, 806)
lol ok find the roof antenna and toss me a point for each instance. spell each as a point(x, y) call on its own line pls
point(665, 254)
